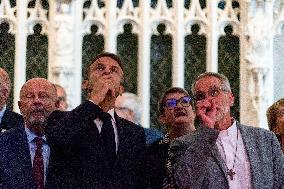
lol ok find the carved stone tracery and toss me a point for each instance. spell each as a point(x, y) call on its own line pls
point(254, 21)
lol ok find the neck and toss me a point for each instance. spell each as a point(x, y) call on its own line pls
point(107, 105)
point(176, 131)
point(36, 129)
point(224, 123)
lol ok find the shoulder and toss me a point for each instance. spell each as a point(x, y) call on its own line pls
point(14, 114)
point(130, 130)
point(12, 135)
point(251, 130)
point(12, 119)
point(128, 125)
point(181, 143)
point(152, 135)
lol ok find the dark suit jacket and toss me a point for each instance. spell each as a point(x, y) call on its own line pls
point(155, 171)
point(15, 160)
point(198, 163)
point(11, 120)
point(77, 159)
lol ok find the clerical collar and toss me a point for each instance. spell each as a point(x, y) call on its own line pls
point(231, 131)
point(111, 112)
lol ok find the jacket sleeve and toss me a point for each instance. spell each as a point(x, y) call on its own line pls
point(191, 154)
point(66, 127)
point(278, 159)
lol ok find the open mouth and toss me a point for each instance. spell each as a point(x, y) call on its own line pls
point(38, 113)
point(179, 114)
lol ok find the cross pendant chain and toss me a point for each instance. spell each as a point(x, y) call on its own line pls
point(231, 174)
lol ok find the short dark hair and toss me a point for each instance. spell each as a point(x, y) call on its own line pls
point(161, 104)
point(105, 54)
point(272, 112)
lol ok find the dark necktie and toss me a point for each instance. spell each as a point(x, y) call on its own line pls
point(107, 138)
point(38, 168)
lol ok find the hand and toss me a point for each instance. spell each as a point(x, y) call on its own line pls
point(207, 111)
point(102, 91)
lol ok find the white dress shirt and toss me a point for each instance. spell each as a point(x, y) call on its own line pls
point(226, 143)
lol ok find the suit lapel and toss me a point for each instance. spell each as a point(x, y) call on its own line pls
point(120, 133)
point(216, 154)
point(251, 149)
point(23, 158)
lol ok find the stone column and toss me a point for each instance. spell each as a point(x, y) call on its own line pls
point(212, 37)
point(111, 29)
point(20, 48)
point(63, 61)
point(256, 67)
point(144, 63)
point(178, 45)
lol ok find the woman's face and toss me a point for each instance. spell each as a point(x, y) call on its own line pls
point(279, 129)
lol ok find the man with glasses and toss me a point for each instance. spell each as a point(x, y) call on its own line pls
point(177, 115)
point(224, 153)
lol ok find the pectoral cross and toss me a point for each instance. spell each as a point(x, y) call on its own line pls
point(231, 174)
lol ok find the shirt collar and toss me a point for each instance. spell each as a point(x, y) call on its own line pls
point(111, 112)
point(31, 135)
point(2, 112)
point(231, 131)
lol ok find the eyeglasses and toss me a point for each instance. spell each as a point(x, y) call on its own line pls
point(213, 92)
point(184, 101)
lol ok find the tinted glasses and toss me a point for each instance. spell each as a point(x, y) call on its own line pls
point(213, 92)
point(184, 101)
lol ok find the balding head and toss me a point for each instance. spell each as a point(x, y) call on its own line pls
point(5, 87)
point(38, 99)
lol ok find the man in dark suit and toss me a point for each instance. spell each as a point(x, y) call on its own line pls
point(223, 153)
point(24, 153)
point(8, 118)
point(92, 146)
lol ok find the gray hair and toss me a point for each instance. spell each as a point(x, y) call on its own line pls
point(224, 80)
point(131, 102)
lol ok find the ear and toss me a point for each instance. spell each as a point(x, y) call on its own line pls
point(57, 103)
point(232, 99)
point(162, 119)
point(20, 105)
point(85, 84)
point(121, 90)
